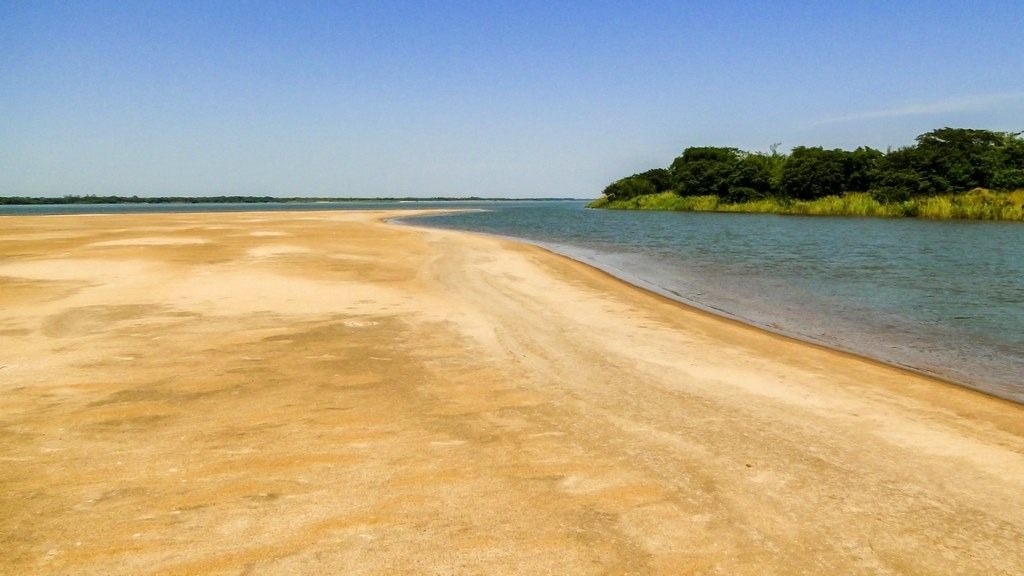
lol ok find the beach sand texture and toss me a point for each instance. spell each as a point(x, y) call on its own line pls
point(324, 393)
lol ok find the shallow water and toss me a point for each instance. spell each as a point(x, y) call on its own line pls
point(941, 297)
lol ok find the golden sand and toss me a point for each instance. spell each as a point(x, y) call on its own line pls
point(324, 393)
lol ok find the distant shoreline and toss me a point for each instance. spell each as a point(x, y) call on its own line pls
point(92, 199)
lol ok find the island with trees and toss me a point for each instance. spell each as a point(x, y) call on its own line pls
point(948, 173)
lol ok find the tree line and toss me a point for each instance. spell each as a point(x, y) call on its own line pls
point(943, 161)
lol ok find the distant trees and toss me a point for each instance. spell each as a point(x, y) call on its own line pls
point(755, 176)
point(631, 187)
point(705, 170)
point(943, 161)
point(811, 173)
point(859, 167)
point(958, 159)
point(895, 177)
point(660, 178)
point(730, 173)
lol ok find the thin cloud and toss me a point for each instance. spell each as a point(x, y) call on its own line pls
point(950, 105)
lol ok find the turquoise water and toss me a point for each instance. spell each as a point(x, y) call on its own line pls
point(941, 297)
point(944, 298)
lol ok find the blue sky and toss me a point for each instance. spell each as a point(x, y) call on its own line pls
point(494, 99)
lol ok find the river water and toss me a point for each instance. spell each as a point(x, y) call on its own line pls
point(944, 298)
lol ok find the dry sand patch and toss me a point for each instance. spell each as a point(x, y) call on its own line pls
point(149, 241)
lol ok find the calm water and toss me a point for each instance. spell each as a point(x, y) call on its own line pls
point(945, 298)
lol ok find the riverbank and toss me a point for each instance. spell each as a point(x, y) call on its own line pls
point(979, 204)
point(322, 392)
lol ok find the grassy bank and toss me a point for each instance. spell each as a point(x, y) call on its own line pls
point(978, 204)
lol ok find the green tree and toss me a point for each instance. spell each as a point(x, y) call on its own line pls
point(752, 178)
point(1008, 179)
point(627, 188)
point(859, 168)
point(705, 170)
point(811, 173)
point(660, 178)
point(1009, 173)
point(958, 159)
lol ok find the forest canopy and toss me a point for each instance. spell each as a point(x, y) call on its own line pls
point(943, 161)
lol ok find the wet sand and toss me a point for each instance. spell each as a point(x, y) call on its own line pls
point(324, 393)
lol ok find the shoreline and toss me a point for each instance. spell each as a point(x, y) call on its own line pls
point(716, 314)
point(981, 387)
point(992, 387)
point(986, 388)
point(325, 392)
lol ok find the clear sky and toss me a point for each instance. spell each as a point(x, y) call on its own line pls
point(460, 98)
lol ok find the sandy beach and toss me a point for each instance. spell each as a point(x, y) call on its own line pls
point(326, 393)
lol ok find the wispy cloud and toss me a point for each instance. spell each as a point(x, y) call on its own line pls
point(950, 105)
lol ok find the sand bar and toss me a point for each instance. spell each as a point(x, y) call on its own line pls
point(324, 393)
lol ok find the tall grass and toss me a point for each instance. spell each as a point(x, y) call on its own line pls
point(664, 201)
point(978, 204)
